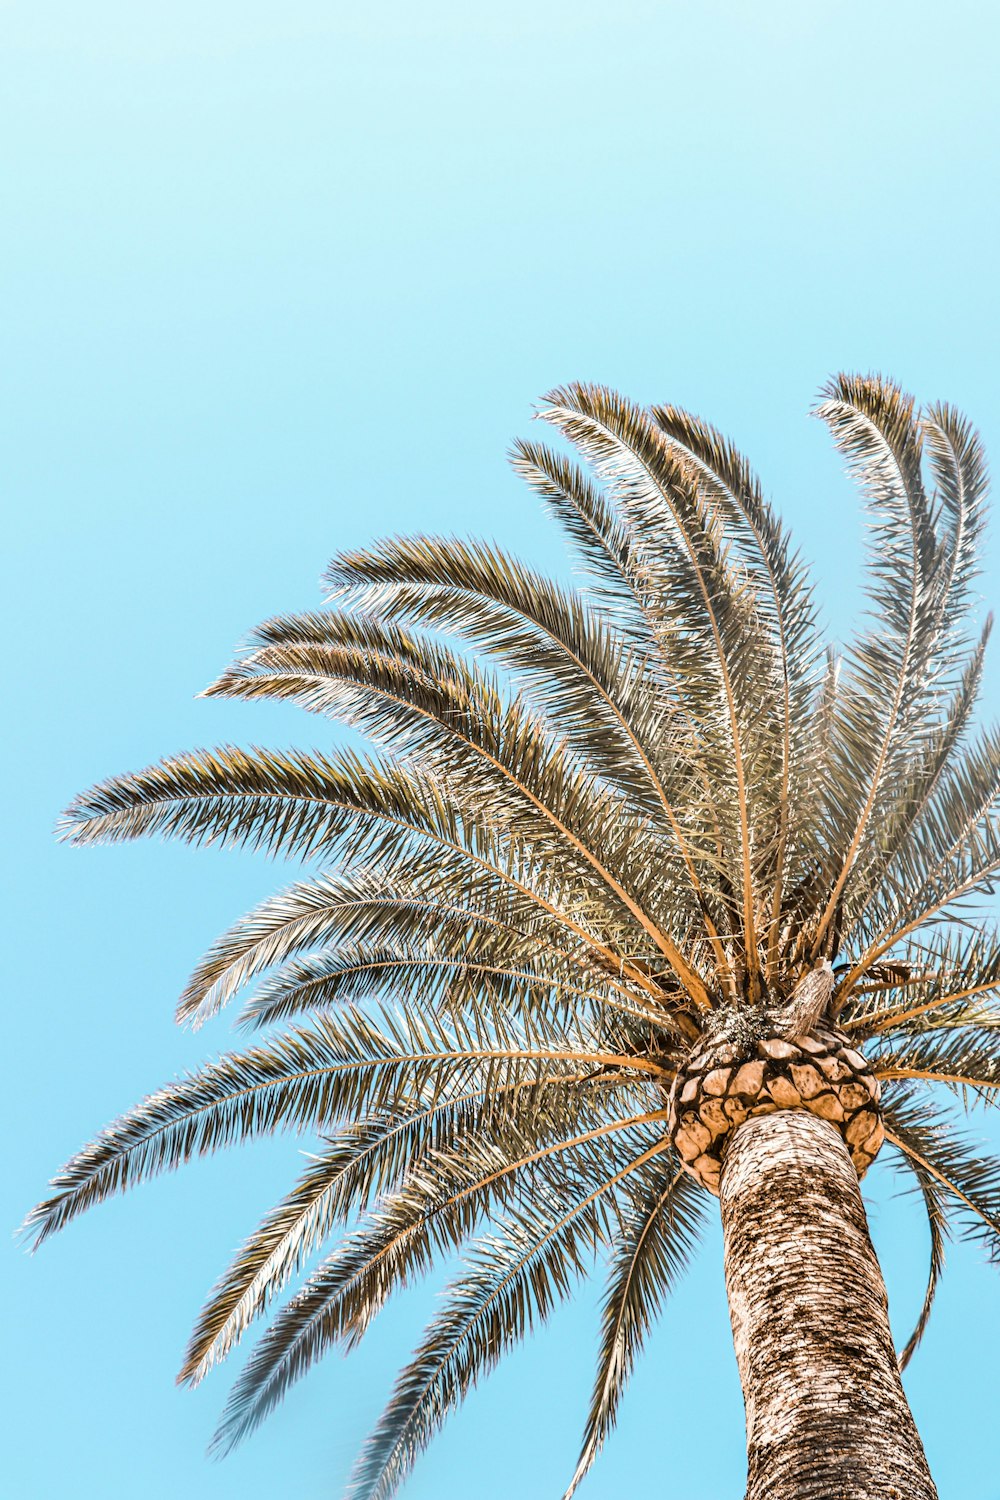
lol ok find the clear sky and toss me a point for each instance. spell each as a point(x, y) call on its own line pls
point(279, 277)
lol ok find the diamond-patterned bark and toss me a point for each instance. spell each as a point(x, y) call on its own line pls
point(720, 1087)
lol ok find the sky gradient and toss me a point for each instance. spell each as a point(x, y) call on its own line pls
point(282, 278)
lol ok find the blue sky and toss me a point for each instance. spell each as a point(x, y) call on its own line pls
point(280, 278)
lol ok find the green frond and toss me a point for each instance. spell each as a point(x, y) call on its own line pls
point(927, 1137)
point(482, 975)
point(513, 1280)
point(369, 1158)
point(343, 1066)
point(434, 1212)
point(893, 669)
point(936, 1204)
point(687, 555)
point(658, 1233)
point(783, 596)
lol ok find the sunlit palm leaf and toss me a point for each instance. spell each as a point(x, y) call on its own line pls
point(514, 1279)
point(658, 1233)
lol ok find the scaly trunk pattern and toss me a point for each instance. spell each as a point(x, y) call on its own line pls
point(826, 1415)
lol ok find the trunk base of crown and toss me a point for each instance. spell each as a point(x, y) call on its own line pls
point(723, 1085)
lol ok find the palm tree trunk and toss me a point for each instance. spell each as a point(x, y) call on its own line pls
point(826, 1415)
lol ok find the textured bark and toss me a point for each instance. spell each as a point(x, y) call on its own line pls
point(826, 1415)
point(726, 1079)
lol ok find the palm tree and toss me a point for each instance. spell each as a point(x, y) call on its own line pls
point(646, 898)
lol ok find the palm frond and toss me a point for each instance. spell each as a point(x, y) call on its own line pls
point(435, 1211)
point(607, 698)
point(958, 466)
point(359, 809)
point(341, 1067)
point(709, 606)
point(939, 981)
point(784, 600)
point(483, 973)
point(456, 718)
point(962, 1059)
point(370, 1158)
point(936, 1203)
point(658, 1233)
point(605, 695)
point(612, 555)
point(958, 869)
point(875, 427)
point(513, 1280)
point(918, 790)
point(927, 1137)
point(327, 910)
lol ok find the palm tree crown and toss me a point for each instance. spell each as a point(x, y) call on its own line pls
point(601, 827)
